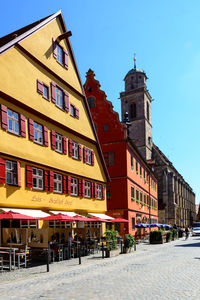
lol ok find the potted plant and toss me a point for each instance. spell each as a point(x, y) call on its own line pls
point(157, 237)
point(128, 243)
point(169, 236)
point(174, 234)
point(111, 243)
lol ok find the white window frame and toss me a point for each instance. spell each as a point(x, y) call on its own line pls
point(13, 120)
point(59, 97)
point(39, 177)
point(87, 189)
point(74, 149)
point(99, 191)
point(12, 171)
point(60, 54)
point(57, 183)
point(59, 143)
point(74, 186)
point(88, 156)
point(38, 133)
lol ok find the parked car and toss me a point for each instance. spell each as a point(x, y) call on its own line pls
point(195, 231)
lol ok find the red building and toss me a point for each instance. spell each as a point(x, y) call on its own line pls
point(132, 192)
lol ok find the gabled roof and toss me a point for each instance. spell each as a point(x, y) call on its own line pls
point(19, 35)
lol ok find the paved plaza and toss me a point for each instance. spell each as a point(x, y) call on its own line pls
point(153, 272)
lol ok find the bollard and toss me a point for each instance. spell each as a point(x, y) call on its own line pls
point(48, 251)
point(121, 246)
point(135, 246)
point(79, 253)
point(102, 245)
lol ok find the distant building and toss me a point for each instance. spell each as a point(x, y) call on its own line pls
point(176, 199)
point(132, 192)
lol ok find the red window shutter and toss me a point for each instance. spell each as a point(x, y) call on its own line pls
point(77, 113)
point(64, 140)
point(66, 59)
point(53, 140)
point(2, 170)
point(70, 147)
point(69, 185)
point(64, 184)
point(23, 125)
point(40, 87)
point(83, 188)
point(84, 154)
point(66, 100)
point(29, 176)
point(92, 190)
point(53, 92)
point(46, 180)
point(103, 192)
point(95, 190)
point(80, 187)
point(4, 117)
point(54, 48)
point(79, 152)
point(51, 181)
point(92, 158)
point(45, 132)
point(18, 173)
point(31, 129)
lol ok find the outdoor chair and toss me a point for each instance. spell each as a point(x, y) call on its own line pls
point(21, 256)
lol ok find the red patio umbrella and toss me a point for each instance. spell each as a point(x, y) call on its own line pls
point(58, 217)
point(96, 219)
point(17, 216)
point(119, 220)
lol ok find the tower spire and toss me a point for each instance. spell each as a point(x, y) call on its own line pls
point(134, 61)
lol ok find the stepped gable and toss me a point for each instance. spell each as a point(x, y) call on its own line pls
point(103, 111)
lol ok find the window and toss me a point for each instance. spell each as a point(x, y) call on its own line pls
point(13, 122)
point(136, 167)
point(45, 91)
point(132, 193)
point(145, 197)
point(144, 175)
point(133, 110)
point(88, 156)
point(106, 127)
point(59, 98)
point(87, 189)
point(38, 133)
point(133, 223)
point(109, 158)
point(148, 111)
point(140, 171)
point(60, 55)
point(137, 196)
point(141, 197)
point(72, 110)
point(74, 186)
point(99, 191)
point(132, 162)
point(91, 102)
point(59, 144)
point(57, 183)
point(37, 179)
point(108, 194)
point(75, 150)
point(11, 172)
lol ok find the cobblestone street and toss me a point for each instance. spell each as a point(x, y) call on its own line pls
point(157, 272)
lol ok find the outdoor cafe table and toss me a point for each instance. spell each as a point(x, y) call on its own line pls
point(9, 251)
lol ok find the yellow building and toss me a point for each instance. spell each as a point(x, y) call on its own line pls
point(50, 158)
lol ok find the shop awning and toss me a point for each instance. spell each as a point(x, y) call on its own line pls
point(101, 216)
point(67, 213)
point(35, 213)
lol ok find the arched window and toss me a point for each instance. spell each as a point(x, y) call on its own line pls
point(133, 112)
point(91, 101)
point(148, 111)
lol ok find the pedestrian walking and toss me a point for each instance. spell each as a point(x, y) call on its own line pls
point(186, 233)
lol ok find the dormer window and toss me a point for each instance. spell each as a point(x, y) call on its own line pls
point(60, 55)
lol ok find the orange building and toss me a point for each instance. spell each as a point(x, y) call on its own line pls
point(132, 192)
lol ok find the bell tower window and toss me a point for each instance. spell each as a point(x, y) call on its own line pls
point(148, 111)
point(133, 111)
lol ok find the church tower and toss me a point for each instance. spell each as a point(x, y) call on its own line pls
point(136, 100)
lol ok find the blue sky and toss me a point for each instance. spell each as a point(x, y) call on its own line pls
point(165, 35)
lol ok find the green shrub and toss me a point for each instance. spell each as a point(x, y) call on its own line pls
point(174, 233)
point(169, 236)
point(129, 241)
point(155, 235)
point(111, 239)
